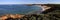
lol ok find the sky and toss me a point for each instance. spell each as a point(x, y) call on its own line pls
point(29, 1)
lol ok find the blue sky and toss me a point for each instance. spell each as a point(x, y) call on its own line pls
point(29, 1)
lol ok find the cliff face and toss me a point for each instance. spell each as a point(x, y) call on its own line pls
point(35, 17)
point(13, 16)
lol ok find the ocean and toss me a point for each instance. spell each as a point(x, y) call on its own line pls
point(18, 9)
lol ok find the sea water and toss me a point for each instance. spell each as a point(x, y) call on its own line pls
point(18, 9)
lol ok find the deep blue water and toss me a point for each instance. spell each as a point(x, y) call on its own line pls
point(17, 9)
